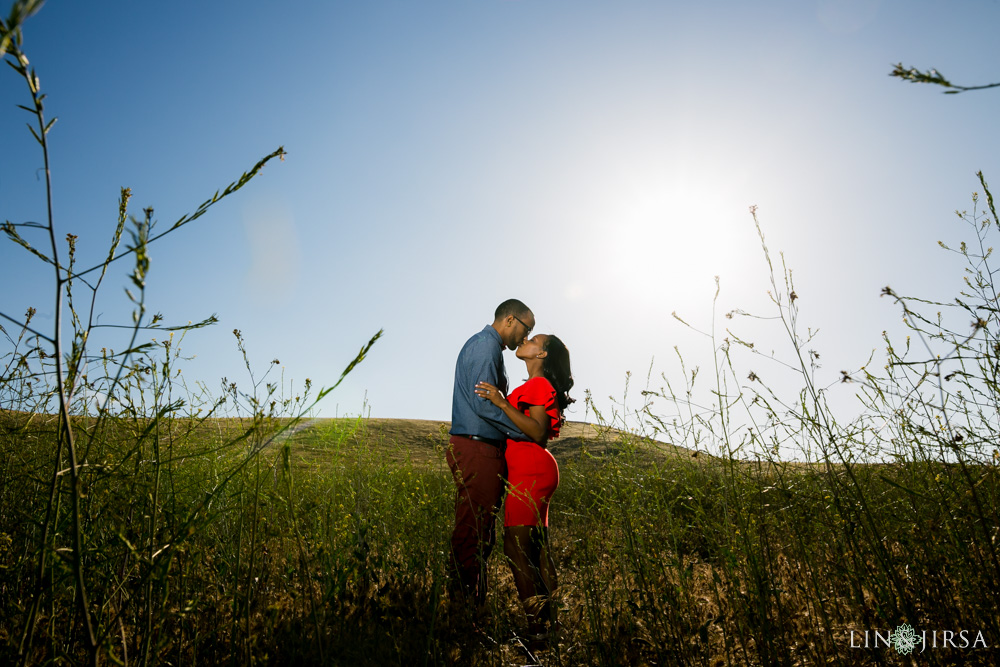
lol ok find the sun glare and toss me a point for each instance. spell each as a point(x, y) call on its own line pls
point(671, 240)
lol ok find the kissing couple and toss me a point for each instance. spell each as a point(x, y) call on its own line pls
point(497, 444)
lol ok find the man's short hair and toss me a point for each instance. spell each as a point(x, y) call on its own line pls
point(513, 307)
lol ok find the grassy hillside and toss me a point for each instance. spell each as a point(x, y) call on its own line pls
point(326, 545)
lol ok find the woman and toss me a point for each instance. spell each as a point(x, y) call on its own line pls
point(536, 408)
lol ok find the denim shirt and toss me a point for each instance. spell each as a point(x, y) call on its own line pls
point(481, 360)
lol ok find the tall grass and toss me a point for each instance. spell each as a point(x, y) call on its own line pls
point(110, 471)
point(217, 540)
point(892, 518)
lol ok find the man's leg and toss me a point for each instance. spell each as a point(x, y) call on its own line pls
point(478, 469)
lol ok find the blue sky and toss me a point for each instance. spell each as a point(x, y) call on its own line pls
point(596, 160)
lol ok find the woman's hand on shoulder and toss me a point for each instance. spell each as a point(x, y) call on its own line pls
point(490, 393)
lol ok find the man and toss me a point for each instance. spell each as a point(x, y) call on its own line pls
point(479, 432)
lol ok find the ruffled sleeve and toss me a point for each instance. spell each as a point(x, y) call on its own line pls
point(536, 391)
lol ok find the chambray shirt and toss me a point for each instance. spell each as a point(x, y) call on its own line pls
point(481, 360)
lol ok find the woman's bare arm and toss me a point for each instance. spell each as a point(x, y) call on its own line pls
point(535, 424)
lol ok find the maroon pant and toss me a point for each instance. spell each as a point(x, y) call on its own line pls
point(480, 472)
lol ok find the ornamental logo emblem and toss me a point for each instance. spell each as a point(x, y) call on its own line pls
point(904, 639)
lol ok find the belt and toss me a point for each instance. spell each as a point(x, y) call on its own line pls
point(488, 441)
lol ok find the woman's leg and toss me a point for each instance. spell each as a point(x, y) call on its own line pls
point(546, 566)
point(547, 577)
point(522, 548)
point(516, 546)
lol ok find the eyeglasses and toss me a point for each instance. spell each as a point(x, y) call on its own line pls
point(527, 329)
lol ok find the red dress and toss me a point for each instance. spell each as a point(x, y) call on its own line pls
point(532, 472)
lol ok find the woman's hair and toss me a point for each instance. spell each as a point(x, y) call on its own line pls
point(556, 370)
